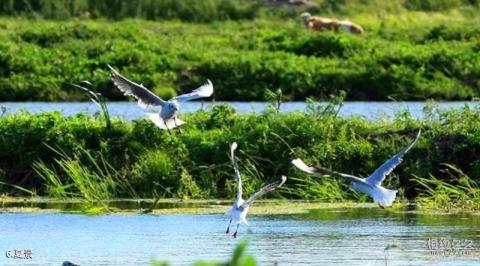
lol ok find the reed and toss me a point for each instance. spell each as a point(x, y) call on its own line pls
point(461, 194)
point(81, 176)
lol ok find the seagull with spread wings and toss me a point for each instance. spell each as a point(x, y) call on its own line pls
point(239, 209)
point(166, 118)
point(371, 185)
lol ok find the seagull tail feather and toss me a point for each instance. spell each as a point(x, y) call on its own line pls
point(165, 124)
point(385, 197)
point(302, 166)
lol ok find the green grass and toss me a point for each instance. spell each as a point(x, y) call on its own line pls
point(406, 54)
point(189, 10)
point(461, 194)
point(94, 181)
point(210, 10)
point(136, 159)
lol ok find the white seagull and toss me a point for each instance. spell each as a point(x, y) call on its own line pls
point(166, 118)
point(239, 209)
point(371, 185)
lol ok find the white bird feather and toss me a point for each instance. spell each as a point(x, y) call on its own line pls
point(166, 118)
point(370, 185)
point(238, 211)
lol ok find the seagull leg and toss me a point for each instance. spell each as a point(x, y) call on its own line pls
point(169, 132)
point(235, 234)
point(228, 227)
point(175, 121)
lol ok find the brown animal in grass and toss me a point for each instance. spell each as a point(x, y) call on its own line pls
point(321, 23)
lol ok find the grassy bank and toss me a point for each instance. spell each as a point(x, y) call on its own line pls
point(407, 53)
point(81, 157)
point(172, 206)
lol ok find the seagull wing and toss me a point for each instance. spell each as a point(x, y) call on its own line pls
point(143, 95)
point(206, 90)
point(387, 167)
point(238, 178)
point(320, 171)
point(264, 190)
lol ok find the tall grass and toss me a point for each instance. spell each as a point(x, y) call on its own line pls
point(326, 190)
point(92, 179)
point(99, 100)
point(461, 193)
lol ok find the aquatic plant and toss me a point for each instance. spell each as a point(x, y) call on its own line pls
point(459, 193)
point(93, 181)
point(99, 100)
point(19, 188)
point(274, 98)
point(325, 190)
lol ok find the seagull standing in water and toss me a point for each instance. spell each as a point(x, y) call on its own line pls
point(371, 185)
point(239, 209)
point(166, 118)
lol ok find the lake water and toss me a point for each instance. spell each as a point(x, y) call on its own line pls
point(340, 236)
point(130, 110)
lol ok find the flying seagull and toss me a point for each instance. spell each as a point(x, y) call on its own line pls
point(167, 117)
point(239, 209)
point(371, 185)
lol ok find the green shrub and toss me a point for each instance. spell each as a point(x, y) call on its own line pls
point(189, 10)
point(221, 116)
point(165, 92)
point(144, 160)
point(187, 187)
point(154, 170)
point(243, 59)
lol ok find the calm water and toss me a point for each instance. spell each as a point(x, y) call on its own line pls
point(130, 110)
point(353, 236)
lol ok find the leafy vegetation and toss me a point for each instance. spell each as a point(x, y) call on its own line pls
point(94, 181)
point(208, 10)
point(189, 10)
point(405, 54)
point(412, 50)
point(79, 156)
point(462, 193)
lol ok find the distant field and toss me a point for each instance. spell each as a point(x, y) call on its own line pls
point(405, 54)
